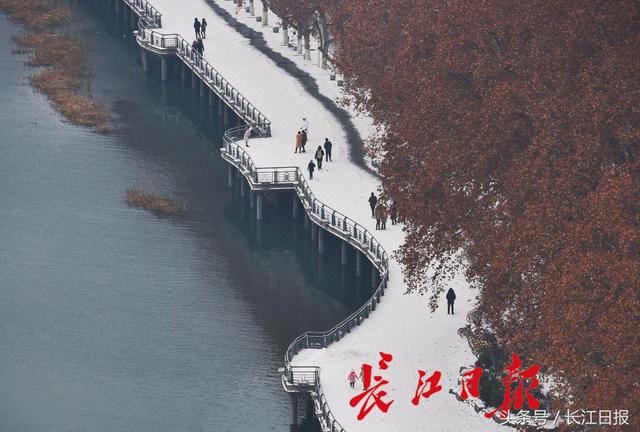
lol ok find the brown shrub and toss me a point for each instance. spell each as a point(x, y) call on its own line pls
point(37, 14)
point(64, 57)
point(148, 201)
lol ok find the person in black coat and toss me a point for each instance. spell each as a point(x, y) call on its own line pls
point(311, 168)
point(327, 149)
point(203, 26)
point(451, 297)
point(304, 141)
point(372, 203)
point(393, 213)
point(196, 27)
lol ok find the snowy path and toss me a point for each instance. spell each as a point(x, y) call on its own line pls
point(402, 325)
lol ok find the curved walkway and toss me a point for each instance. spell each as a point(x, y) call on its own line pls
point(257, 40)
point(402, 325)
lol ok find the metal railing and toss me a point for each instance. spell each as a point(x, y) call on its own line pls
point(210, 76)
point(146, 12)
point(340, 225)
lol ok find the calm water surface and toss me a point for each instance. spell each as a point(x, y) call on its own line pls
point(112, 319)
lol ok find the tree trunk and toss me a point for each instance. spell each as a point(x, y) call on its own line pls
point(252, 8)
point(299, 43)
point(265, 13)
point(285, 33)
point(307, 45)
point(325, 39)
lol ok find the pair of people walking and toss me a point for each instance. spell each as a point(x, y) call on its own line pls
point(353, 377)
point(301, 141)
point(380, 213)
point(198, 46)
point(200, 28)
point(319, 156)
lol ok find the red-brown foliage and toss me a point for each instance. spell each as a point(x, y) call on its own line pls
point(512, 132)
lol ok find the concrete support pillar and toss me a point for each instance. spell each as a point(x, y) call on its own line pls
point(212, 98)
point(133, 20)
point(307, 222)
point(230, 177)
point(194, 80)
point(164, 68)
point(117, 6)
point(252, 199)
point(259, 206)
point(144, 59)
point(259, 232)
point(374, 277)
point(203, 88)
point(220, 106)
point(321, 240)
point(164, 92)
point(314, 229)
point(293, 412)
point(243, 190)
point(183, 71)
point(226, 115)
point(358, 264)
point(343, 255)
point(295, 212)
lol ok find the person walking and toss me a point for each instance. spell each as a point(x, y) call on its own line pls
point(298, 142)
point(352, 377)
point(311, 168)
point(378, 214)
point(393, 213)
point(203, 28)
point(327, 149)
point(305, 125)
point(247, 135)
point(200, 47)
point(238, 6)
point(319, 156)
point(383, 217)
point(304, 141)
point(196, 27)
point(372, 203)
point(451, 297)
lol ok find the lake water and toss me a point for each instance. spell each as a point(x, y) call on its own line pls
point(113, 319)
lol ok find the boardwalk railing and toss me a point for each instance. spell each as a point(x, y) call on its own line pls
point(147, 13)
point(207, 73)
point(298, 378)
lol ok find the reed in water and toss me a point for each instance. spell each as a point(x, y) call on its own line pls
point(63, 59)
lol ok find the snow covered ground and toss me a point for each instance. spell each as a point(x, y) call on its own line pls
point(402, 325)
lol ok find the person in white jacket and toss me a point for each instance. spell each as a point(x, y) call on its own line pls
point(305, 125)
point(247, 135)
